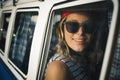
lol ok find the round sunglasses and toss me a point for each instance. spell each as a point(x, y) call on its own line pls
point(73, 26)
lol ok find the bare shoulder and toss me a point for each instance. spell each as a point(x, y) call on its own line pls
point(57, 70)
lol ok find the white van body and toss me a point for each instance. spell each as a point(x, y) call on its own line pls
point(40, 41)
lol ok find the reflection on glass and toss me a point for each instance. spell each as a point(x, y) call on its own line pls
point(3, 30)
point(22, 39)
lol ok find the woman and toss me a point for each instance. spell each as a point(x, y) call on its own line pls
point(75, 58)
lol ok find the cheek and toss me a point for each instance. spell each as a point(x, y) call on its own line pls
point(68, 36)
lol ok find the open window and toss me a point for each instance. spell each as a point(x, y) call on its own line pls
point(3, 29)
point(22, 36)
point(103, 11)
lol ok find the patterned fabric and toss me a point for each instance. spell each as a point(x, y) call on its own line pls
point(22, 39)
point(115, 69)
point(78, 70)
point(22, 34)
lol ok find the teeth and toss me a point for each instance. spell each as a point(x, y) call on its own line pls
point(79, 40)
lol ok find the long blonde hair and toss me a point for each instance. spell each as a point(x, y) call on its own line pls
point(62, 46)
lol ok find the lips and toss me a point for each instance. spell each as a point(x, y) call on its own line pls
point(80, 41)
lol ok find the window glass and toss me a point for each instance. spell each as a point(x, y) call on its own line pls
point(22, 39)
point(3, 30)
point(100, 15)
point(115, 66)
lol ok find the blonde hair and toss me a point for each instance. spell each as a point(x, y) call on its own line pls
point(62, 47)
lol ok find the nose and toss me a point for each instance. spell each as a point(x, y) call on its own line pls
point(80, 31)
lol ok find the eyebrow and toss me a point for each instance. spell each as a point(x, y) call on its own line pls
point(77, 21)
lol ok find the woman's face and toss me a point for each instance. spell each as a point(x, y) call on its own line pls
point(80, 39)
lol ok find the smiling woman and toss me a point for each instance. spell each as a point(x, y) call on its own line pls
point(75, 54)
point(76, 33)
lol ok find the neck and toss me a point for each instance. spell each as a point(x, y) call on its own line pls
point(75, 53)
point(78, 56)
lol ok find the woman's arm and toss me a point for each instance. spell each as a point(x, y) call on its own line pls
point(57, 70)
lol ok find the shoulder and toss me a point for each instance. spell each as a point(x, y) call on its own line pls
point(57, 70)
point(57, 65)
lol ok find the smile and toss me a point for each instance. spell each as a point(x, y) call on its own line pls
point(79, 41)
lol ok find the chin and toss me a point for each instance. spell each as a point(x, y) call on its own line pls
point(79, 50)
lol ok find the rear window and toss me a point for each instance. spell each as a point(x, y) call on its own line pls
point(22, 39)
point(3, 30)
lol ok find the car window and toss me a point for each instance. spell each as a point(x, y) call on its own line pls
point(3, 30)
point(101, 12)
point(22, 39)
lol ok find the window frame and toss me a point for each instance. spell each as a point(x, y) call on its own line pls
point(112, 38)
point(48, 37)
point(35, 55)
point(2, 23)
point(11, 63)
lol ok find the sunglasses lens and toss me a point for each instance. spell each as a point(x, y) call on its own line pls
point(72, 27)
point(88, 27)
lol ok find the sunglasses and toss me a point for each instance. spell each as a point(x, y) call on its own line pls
point(73, 26)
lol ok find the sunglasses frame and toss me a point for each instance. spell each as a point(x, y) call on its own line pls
point(87, 26)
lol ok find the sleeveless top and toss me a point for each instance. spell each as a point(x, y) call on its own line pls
point(79, 70)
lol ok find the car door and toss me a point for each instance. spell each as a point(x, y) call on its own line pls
point(19, 36)
point(25, 38)
point(106, 11)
